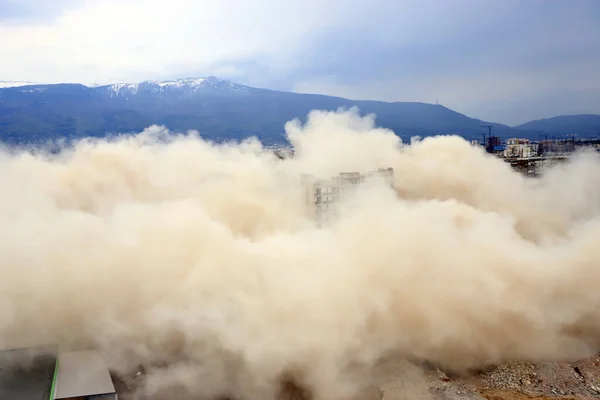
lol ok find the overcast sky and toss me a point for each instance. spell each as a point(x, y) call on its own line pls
point(505, 61)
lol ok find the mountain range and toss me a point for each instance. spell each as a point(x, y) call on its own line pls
point(583, 125)
point(223, 110)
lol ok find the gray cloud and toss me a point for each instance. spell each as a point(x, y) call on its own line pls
point(507, 61)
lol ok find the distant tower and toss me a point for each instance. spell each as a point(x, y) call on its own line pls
point(491, 140)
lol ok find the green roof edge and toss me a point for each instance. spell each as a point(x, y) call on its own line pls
point(53, 387)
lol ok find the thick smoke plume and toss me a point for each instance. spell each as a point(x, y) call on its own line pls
point(199, 261)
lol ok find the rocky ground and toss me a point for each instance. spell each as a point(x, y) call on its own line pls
point(402, 380)
point(513, 381)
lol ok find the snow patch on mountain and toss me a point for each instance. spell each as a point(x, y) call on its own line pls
point(9, 84)
point(119, 88)
point(179, 86)
point(181, 82)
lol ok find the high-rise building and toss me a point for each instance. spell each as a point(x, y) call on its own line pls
point(323, 195)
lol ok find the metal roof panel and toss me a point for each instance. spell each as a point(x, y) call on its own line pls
point(82, 373)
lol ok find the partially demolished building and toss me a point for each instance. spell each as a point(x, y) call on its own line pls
point(323, 195)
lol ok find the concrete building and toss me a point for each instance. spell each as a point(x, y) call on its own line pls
point(323, 195)
point(518, 148)
point(556, 147)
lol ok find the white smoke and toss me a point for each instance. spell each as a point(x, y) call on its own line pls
point(199, 261)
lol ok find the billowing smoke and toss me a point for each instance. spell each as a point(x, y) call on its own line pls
point(200, 262)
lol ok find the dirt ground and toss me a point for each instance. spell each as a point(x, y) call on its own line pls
point(402, 380)
point(514, 381)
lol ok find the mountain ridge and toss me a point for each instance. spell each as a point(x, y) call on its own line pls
point(579, 124)
point(219, 109)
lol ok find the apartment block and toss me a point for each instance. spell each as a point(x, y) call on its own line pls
point(323, 195)
point(518, 148)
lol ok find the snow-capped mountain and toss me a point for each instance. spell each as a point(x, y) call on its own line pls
point(217, 108)
point(179, 86)
point(184, 86)
point(8, 84)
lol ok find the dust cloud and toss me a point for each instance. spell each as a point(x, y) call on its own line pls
point(199, 261)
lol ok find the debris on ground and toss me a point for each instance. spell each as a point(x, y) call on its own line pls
point(402, 380)
point(576, 380)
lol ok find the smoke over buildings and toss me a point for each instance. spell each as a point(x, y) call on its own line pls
point(200, 261)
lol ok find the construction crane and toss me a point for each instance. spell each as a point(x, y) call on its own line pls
point(489, 129)
point(571, 139)
point(489, 132)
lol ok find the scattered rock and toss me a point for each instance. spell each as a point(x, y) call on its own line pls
point(402, 380)
point(493, 394)
point(442, 375)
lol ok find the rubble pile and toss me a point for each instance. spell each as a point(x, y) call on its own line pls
point(402, 380)
point(578, 380)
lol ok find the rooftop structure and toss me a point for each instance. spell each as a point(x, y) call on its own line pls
point(45, 374)
point(83, 375)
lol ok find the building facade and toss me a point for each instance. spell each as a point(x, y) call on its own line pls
point(518, 148)
point(323, 195)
